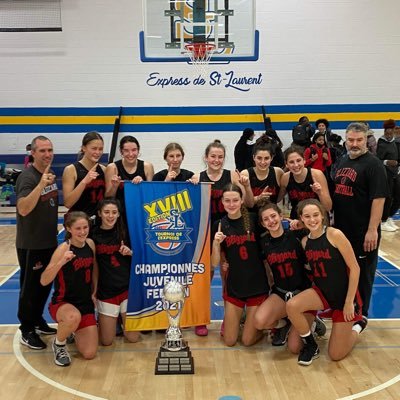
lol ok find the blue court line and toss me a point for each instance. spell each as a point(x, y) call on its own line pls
point(13, 221)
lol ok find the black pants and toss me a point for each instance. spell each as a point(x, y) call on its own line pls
point(392, 202)
point(33, 296)
point(368, 263)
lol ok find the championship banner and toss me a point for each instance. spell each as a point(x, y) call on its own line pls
point(169, 226)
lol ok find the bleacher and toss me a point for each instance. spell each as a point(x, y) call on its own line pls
point(11, 164)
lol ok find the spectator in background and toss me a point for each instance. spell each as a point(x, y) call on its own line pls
point(337, 152)
point(276, 146)
point(387, 151)
point(244, 150)
point(322, 125)
point(318, 155)
point(303, 132)
point(28, 160)
point(397, 139)
point(371, 142)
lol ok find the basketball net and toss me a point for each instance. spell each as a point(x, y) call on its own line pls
point(200, 55)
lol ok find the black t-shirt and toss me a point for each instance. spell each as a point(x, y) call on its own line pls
point(286, 258)
point(38, 229)
point(357, 183)
point(114, 268)
point(93, 192)
point(246, 274)
point(217, 208)
point(183, 176)
point(73, 283)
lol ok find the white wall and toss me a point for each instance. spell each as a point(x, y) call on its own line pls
point(311, 52)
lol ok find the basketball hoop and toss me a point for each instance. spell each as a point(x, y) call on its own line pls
point(200, 55)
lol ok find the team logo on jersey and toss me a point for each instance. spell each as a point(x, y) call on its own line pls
point(167, 233)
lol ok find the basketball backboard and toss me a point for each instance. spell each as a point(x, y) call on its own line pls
point(169, 25)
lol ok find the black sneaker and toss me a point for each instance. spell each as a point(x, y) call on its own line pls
point(308, 353)
point(44, 329)
point(281, 335)
point(61, 355)
point(363, 323)
point(32, 340)
point(320, 327)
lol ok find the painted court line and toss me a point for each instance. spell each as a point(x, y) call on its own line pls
point(39, 375)
point(383, 255)
point(375, 389)
point(6, 278)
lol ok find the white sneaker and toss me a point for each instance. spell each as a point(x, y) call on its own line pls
point(386, 227)
point(392, 224)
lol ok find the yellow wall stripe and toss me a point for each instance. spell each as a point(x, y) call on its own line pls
point(192, 119)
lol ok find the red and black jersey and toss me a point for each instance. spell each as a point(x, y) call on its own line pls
point(286, 258)
point(298, 191)
point(217, 208)
point(246, 275)
point(93, 192)
point(73, 283)
point(329, 269)
point(114, 268)
point(257, 185)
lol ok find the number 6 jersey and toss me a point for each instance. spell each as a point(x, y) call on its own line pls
point(246, 275)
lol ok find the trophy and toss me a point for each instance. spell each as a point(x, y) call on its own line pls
point(174, 356)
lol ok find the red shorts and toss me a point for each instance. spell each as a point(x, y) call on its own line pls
point(86, 319)
point(249, 301)
point(337, 315)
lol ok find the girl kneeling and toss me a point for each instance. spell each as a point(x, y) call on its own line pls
point(335, 279)
point(74, 271)
point(236, 241)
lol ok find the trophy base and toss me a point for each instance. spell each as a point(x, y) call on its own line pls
point(174, 362)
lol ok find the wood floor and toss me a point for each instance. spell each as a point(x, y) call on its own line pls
point(126, 371)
